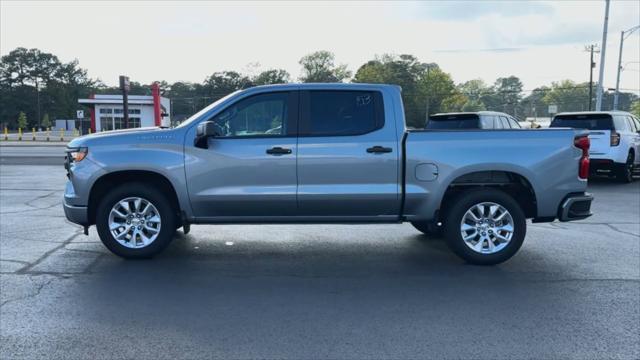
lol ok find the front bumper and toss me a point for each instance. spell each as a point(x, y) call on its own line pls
point(76, 214)
point(576, 206)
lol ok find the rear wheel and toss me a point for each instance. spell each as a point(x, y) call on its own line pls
point(625, 173)
point(485, 226)
point(135, 221)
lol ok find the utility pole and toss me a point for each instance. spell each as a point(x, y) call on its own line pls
point(603, 50)
point(591, 66)
point(622, 37)
point(124, 86)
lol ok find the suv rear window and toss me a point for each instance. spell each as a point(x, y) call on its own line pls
point(466, 121)
point(589, 121)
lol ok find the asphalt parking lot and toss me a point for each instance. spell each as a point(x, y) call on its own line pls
point(310, 291)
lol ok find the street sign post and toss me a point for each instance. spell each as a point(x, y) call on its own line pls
point(553, 109)
point(79, 114)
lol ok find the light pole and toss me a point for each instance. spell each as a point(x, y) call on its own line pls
point(603, 50)
point(623, 35)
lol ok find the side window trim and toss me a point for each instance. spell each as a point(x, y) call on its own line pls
point(304, 120)
point(293, 115)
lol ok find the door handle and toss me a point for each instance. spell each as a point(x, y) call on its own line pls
point(278, 151)
point(379, 149)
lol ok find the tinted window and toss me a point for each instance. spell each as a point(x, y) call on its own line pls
point(497, 123)
point(451, 122)
point(514, 124)
point(589, 122)
point(505, 122)
point(487, 122)
point(632, 124)
point(260, 115)
point(335, 113)
point(620, 123)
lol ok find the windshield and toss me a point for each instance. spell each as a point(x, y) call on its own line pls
point(197, 115)
point(589, 122)
point(467, 121)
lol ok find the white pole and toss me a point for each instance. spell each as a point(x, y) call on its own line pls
point(615, 96)
point(603, 50)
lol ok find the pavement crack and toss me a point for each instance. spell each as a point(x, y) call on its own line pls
point(29, 296)
point(67, 241)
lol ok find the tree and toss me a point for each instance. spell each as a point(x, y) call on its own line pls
point(22, 120)
point(46, 123)
point(508, 92)
point(222, 83)
point(320, 67)
point(473, 105)
point(635, 108)
point(440, 92)
point(568, 95)
point(273, 76)
point(405, 71)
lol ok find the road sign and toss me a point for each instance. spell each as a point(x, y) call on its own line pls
point(79, 114)
point(553, 109)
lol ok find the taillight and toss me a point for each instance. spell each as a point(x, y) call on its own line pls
point(615, 139)
point(583, 143)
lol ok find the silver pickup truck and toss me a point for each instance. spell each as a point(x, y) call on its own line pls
point(324, 153)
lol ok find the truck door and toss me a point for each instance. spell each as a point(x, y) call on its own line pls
point(250, 170)
point(348, 156)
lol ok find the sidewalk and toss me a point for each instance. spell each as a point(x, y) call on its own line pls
point(16, 143)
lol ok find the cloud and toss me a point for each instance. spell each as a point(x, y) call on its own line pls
point(471, 10)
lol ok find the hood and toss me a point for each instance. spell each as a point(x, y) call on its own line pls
point(108, 136)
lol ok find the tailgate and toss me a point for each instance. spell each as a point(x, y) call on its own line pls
point(600, 142)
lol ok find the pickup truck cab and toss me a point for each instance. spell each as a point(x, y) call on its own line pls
point(324, 153)
point(472, 120)
point(615, 141)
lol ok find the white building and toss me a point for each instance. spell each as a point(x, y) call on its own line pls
point(107, 113)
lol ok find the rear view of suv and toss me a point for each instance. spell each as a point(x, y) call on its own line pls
point(615, 141)
point(472, 120)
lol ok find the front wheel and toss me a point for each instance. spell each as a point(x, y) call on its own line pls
point(485, 226)
point(135, 221)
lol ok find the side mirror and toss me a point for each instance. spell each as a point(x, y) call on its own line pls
point(204, 131)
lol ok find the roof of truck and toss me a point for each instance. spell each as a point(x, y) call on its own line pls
point(612, 112)
point(470, 113)
point(327, 86)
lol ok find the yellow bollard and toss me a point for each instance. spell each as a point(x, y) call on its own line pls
point(33, 132)
point(61, 134)
point(19, 134)
point(48, 133)
point(6, 134)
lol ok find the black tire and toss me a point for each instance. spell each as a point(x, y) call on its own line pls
point(464, 202)
point(428, 228)
point(625, 172)
point(149, 193)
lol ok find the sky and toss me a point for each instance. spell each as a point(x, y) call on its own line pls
point(539, 42)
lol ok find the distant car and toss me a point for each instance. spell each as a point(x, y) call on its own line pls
point(472, 120)
point(615, 141)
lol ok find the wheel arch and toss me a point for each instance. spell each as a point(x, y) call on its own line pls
point(113, 179)
point(513, 183)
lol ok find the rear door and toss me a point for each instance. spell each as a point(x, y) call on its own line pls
point(348, 156)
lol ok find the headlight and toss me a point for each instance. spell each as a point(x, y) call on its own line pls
point(78, 154)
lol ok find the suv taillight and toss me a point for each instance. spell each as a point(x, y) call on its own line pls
point(583, 143)
point(615, 139)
